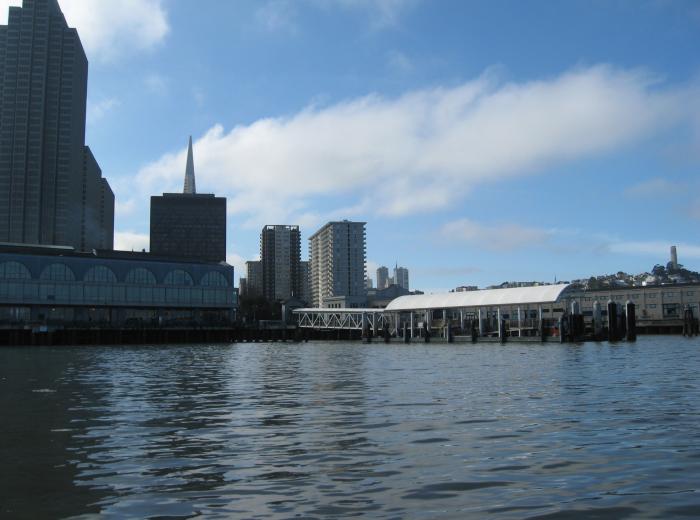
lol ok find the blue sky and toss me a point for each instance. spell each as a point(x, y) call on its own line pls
point(480, 141)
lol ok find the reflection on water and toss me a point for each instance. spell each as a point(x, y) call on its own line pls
point(322, 429)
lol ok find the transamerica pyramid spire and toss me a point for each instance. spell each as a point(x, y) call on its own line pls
point(189, 172)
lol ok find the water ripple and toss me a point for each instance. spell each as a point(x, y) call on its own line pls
point(336, 430)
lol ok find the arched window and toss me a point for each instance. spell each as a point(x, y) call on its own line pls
point(140, 276)
point(58, 273)
point(14, 271)
point(214, 279)
point(178, 277)
point(100, 273)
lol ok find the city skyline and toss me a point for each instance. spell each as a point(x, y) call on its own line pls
point(589, 191)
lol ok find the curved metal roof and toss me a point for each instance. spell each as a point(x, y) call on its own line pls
point(485, 298)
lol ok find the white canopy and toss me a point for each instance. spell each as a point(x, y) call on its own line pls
point(486, 298)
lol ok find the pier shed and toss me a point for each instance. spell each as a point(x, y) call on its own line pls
point(520, 310)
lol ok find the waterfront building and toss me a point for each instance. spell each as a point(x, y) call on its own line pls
point(464, 288)
point(401, 277)
point(280, 256)
point(653, 303)
point(51, 188)
point(254, 278)
point(243, 286)
point(189, 225)
point(337, 256)
point(54, 285)
point(382, 277)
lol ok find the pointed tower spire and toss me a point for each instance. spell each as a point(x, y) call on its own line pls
point(189, 172)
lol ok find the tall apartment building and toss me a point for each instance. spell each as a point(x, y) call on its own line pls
point(189, 225)
point(49, 181)
point(337, 256)
point(254, 278)
point(401, 277)
point(382, 277)
point(280, 255)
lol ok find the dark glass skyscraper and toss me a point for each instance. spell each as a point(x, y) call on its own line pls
point(280, 254)
point(51, 189)
point(189, 225)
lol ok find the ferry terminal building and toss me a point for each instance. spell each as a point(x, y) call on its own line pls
point(56, 285)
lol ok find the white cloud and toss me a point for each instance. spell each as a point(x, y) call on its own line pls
point(499, 237)
point(130, 241)
point(653, 188)
point(399, 62)
point(381, 13)
point(96, 111)
point(278, 16)
point(427, 148)
point(238, 263)
point(156, 83)
point(656, 249)
point(282, 15)
point(109, 28)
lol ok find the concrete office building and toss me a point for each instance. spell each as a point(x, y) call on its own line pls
point(382, 277)
point(54, 285)
point(401, 277)
point(254, 278)
point(280, 255)
point(49, 180)
point(189, 225)
point(337, 256)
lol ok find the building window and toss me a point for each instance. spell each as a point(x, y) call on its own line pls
point(100, 273)
point(140, 276)
point(669, 294)
point(651, 296)
point(14, 271)
point(178, 277)
point(672, 310)
point(213, 279)
point(651, 306)
point(58, 273)
point(690, 293)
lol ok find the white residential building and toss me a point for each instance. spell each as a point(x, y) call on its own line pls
point(337, 256)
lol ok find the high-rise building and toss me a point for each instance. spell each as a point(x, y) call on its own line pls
point(337, 257)
point(254, 278)
point(188, 224)
point(280, 254)
point(382, 277)
point(401, 277)
point(49, 180)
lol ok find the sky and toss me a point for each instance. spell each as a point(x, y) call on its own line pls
point(481, 142)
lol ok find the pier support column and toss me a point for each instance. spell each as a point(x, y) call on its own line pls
point(366, 337)
point(520, 324)
point(631, 321)
point(597, 321)
point(481, 323)
point(612, 321)
point(412, 325)
point(498, 321)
